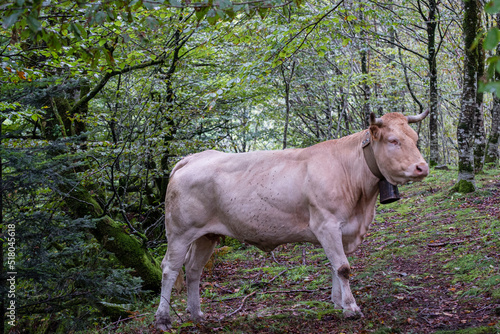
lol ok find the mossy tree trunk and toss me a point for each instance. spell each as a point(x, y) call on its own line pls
point(431, 23)
point(492, 154)
point(465, 128)
point(364, 71)
point(130, 249)
point(116, 238)
point(479, 132)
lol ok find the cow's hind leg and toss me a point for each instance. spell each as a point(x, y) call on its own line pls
point(171, 264)
point(198, 256)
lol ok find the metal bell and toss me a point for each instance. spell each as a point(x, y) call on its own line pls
point(388, 192)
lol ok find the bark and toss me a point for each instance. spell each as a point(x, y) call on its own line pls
point(366, 89)
point(392, 89)
point(434, 158)
point(465, 135)
point(178, 43)
point(364, 70)
point(492, 154)
point(129, 249)
point(287, 81)
point(479, 132)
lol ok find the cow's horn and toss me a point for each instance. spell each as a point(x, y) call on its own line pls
point(375, 121)
point(417, 118)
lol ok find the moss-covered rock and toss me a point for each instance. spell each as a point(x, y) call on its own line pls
point(464, 186)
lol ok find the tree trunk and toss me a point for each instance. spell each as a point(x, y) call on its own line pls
point(492, 154)
point(129, 249)
point(434, 158)
point(168, 114)
point(365, 88)
point(287, 82)
point(364, 71)
point(465, 134)
point(479, 132)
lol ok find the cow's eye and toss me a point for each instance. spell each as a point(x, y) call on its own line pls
point(394, 141)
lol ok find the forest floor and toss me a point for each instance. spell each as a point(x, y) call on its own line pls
point(429, 264)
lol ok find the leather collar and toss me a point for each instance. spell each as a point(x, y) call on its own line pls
point(370, 156)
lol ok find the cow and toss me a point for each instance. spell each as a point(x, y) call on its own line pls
point(323, 194)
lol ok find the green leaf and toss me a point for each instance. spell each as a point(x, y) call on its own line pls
point(492, 39)
point(492, 7)
point(175, 3)
point(100, 17)
point(11, 20)
point(212, 16)
point(201, 12)
point(263, 12)
point(490, 87)
point(152, 22)
point(34, 24)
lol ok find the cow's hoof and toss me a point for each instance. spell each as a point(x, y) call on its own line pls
point(197, 316)
point(163, 323)
point(350, 314)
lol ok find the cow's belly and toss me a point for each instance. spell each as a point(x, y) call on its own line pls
point(264, 223)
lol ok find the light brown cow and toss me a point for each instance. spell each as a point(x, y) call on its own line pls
point(324, 194)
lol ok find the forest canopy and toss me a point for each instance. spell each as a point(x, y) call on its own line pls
point(100, 99)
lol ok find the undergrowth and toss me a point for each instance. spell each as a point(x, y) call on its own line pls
point(429, 264)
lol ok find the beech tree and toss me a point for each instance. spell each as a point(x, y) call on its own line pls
point(465, 133)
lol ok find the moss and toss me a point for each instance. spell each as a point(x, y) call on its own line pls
point(464, 186)
point(130, 250)
point(496, 294)
point(82, 203)
point(477, 330)
point(433, 163)
point(387, 330)
point(465, 167)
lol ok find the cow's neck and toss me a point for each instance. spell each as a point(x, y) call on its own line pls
point(355, 169)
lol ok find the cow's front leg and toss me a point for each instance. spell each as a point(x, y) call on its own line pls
point(330, 238)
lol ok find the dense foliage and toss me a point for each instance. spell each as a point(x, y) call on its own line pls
point(99, 100)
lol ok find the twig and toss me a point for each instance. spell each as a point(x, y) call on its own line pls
point(173, 309)
point(223, 288)
point(272, 253)
point(275, 277)
point(442, 244)
point(239, 308)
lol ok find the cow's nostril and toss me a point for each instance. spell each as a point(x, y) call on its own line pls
point(421, 169)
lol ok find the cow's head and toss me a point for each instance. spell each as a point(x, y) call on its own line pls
point(395, 147)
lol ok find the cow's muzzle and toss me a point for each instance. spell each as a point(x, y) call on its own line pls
point(419, 170)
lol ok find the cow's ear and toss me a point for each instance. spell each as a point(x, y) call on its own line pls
point(375, 131)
